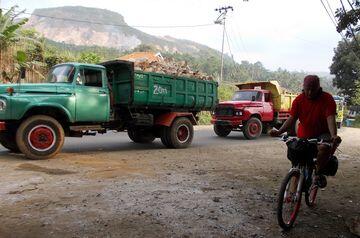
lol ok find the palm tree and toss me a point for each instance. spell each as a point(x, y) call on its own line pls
point(9, 26)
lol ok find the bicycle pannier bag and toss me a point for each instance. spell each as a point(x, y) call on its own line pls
point(300, 151)
point(331, 167)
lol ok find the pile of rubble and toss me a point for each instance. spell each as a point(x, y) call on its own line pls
point(167, 66)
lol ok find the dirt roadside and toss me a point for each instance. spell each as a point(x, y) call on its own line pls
point(220, 190)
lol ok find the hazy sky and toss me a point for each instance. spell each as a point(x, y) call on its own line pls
point(289, 34)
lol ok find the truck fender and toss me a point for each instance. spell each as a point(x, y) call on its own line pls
point(252, 112)
point(167, 118)
point(55, 106)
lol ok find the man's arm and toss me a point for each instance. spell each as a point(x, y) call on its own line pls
point(331, 121)
point(290, 122)
point(332, 125)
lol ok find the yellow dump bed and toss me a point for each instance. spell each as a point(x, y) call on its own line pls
point(282, 100)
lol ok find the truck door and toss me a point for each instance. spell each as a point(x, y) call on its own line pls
point(92, 95)
point(268, 107)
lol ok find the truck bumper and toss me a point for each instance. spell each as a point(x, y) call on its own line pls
point(2, 126)
point(234, 123)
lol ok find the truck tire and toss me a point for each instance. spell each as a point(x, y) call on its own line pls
point(9, 142)
point(252, 128)
point(164, 136)
point(222, 131)
point(40, 137)
point(180, 134)
point(142, 136)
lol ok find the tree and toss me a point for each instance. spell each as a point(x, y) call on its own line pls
point(346, 67)
point(349, 20)
point(356, 98)
point(9, 27)
point(145, 48)
point(89, 57)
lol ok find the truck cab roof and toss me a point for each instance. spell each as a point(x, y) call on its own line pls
point(77, 64)
point(256, 90)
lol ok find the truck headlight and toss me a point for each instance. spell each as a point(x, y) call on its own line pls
point(2, 105)
point(238, 113)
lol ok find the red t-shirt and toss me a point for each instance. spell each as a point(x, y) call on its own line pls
point(312, 114)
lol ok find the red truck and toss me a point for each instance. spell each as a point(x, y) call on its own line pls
point(255, 107)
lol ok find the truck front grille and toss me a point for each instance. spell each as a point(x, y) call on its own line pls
point(224, 111)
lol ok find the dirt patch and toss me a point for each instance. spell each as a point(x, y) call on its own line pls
point(36, 168)
point(220, 187)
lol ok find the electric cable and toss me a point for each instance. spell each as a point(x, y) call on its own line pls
point(117, 25)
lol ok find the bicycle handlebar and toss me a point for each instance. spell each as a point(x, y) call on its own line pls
point(317, 141)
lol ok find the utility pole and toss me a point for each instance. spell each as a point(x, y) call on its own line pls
point(221, 21)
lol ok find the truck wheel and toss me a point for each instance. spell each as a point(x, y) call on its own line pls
point(180, 134)
point(265, 129)
point(222, 131)
point(164, 136)
point(40, 137)
point(140, 135)
point(252, 128)
point(9, 142)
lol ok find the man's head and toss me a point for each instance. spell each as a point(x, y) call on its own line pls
point(311, 86)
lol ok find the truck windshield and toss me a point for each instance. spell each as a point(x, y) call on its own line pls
point(247, 96)
point(61, 74)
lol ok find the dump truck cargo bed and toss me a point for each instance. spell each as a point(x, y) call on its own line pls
point(148, 89)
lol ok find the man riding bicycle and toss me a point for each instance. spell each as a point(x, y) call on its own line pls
point(316, 112)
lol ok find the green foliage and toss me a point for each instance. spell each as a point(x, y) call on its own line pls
point(9, 27)
point(356, 123)
point(349, 19)
point(346, 68)
point(226, 92)
point(356, 98)
point(89, 57)
point(21, 57)
point(204, 118)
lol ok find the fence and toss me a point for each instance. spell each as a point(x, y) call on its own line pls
point(10, 74)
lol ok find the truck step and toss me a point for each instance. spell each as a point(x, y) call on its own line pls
point(87, 128)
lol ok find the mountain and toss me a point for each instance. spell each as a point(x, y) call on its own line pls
point(93, 26)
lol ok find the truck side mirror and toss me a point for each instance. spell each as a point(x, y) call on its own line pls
point(253, 98)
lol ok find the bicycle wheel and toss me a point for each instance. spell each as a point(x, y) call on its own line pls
point(310, 195)
point(289, 200)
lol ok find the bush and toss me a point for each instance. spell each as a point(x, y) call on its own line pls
point(204, 118)
point(356, 122)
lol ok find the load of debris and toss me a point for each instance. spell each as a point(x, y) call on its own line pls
point(150, 62)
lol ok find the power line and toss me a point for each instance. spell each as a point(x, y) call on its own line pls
point(118, 25)
point(228, 43)
point(332, 12)
point(349, 26)
point(238, 35)
point(333, 21)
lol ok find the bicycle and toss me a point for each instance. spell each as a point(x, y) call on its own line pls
point(298, 180)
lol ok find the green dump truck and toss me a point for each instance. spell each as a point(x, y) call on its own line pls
point(85, 99)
